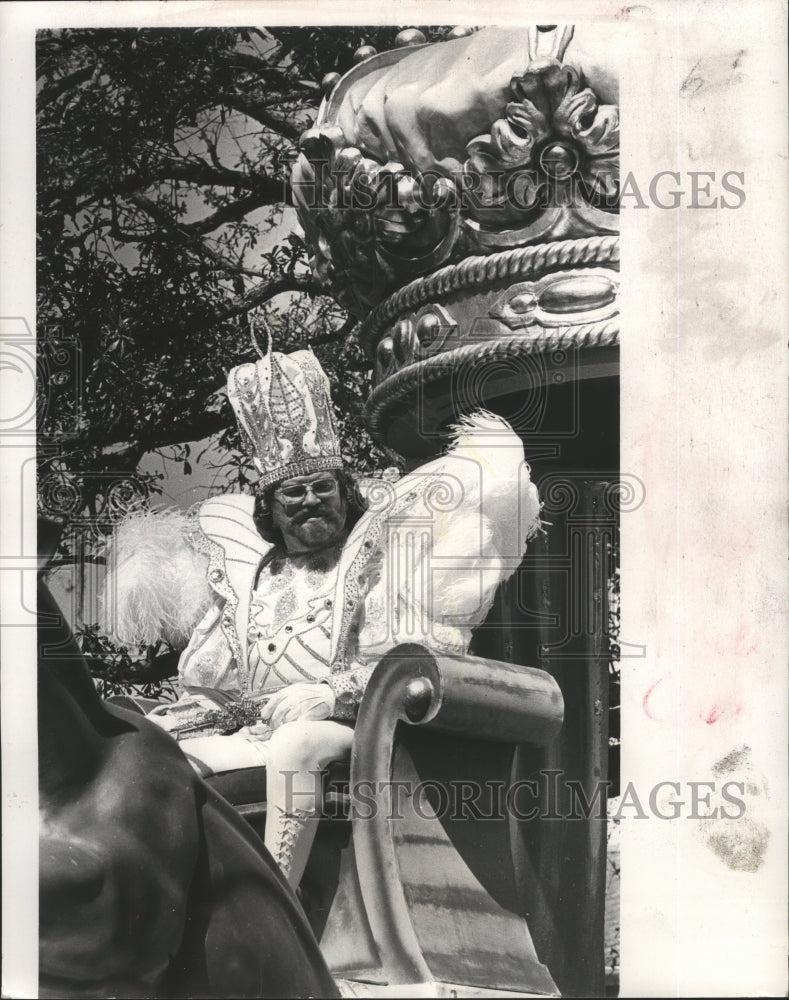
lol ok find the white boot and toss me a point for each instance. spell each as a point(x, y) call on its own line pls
point(289, 838)
point(298, 753)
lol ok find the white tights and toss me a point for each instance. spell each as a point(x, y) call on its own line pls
point(294, 756)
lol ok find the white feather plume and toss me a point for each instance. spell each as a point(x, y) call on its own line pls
point(156, 586)
point(500, 512)
point(509, 498)
point(471, 513)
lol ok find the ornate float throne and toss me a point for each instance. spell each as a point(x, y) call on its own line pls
point(461, 199)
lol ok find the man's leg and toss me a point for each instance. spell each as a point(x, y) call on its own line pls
point(214, 754)
point(298, 753)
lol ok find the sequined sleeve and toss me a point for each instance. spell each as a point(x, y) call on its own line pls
point(349, 687)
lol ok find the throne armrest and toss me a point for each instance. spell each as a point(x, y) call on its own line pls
point(481, 698)
point(475, 697)
point(475, 700)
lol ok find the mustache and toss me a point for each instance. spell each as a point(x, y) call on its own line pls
point(305, 515)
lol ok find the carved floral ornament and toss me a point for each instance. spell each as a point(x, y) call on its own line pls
point(560, 143)
point(546, 170)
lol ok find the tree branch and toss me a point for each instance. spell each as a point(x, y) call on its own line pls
point(48, 95)
point(262, 293)
point(262, 114)
point(337, 335)
point(195, 428)
point(267, 190)
point(265, 71)
point(226, 213)
point(197, 171)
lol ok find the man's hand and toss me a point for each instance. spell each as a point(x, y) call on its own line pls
point(299, 701)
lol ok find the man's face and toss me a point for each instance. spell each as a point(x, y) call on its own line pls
point(310, 512)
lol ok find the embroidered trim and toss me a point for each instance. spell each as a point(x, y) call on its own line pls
point(217, 579)
point(302, 468)
point(313, 653)
point(349, 688)
point(301, 670)
point(234, 538)
point(353, 592)
point(273, 670)
point(255, 660)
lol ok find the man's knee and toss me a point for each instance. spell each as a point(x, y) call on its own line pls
point(295, 746)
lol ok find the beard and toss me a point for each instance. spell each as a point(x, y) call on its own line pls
point(316, 530)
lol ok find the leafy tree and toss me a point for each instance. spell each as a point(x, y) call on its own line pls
point(164, 232)
point(163, 167)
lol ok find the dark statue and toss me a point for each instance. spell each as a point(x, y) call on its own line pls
point(150, 883)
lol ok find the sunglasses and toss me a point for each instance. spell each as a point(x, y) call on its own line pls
point(298, 493)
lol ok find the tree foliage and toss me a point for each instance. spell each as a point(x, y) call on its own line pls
point(162, 171)
point(164, 233)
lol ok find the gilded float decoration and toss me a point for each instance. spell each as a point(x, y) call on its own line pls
point(462, 199)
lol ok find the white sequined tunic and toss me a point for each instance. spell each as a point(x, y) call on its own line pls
point(289, 631)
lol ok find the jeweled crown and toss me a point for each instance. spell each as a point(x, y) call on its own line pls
point(283, 407)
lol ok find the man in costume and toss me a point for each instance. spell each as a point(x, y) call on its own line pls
point(287, 599)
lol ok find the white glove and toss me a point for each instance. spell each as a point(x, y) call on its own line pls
point(302, 700)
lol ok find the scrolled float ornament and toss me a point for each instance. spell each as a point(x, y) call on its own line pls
point(552, 159)
point(461, 198)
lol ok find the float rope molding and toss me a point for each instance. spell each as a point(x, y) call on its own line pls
point(521, 262)
point(401, 385)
